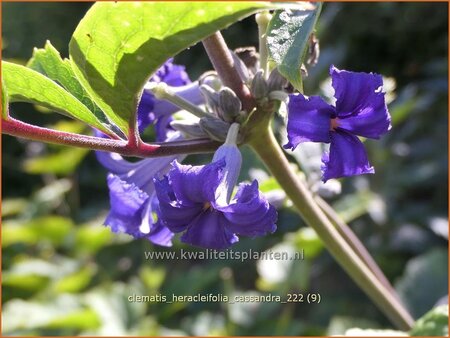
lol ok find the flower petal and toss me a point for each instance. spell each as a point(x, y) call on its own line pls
point(308, 120)
point(172, 74)
point(354, 91)
point(139, 173)
point(209, 230)
point(127, 203)
point(371, 121)
point(154, 231)
point(160, 235)
point(233, 161)
point(347, 157)
point(144, 110)
point(250, 214)
point(196, 184)
point(173, 214)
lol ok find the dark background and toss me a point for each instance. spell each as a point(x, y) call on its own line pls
point(68, 275)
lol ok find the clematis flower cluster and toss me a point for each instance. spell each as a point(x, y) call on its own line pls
point(360, 111)
point(134, 206)
point(194, 200)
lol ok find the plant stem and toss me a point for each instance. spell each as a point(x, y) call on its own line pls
point(265, 145)
point(346, 232)
point(18, 128)
point(223, 63)
point(263, 19)
point(163, 92)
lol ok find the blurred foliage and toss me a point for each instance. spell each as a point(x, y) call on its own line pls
point(65, 274)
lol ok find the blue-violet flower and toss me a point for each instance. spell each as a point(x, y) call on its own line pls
point(360, 111)
point(196, 200)
point(134, 206)
point(132, 195)
point(159, 112)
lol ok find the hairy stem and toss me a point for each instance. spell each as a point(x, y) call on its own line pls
point(265, 145)
point(223, 63)
point(18, 128)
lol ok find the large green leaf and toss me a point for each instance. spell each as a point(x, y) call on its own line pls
point(27, 85)
point(118, 45)
point(48, 62)
point(287, 39)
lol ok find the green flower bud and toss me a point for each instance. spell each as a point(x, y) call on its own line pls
point(259, 88)
point(211, 98)
point(215, 128)
point(189, 128)
point(276, 81)
point(229, 105)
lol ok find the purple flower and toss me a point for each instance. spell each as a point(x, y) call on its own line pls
point(132, 196)
point(157, 112)
point(195, 200)
point(134, 206)
point(360, 111)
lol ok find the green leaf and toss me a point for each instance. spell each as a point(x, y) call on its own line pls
point(27, 85)
point(287, 38)
point(39, 230)
point(63, 162)
point(75, 282)
point(427, 272)
point(4, 102)
point(433, 323)
point(48, 62)
point(65, 311)
point(118, 45)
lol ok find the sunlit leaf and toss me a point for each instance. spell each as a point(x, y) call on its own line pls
point(63, 162)
point(75, 282)
point(63, 312)
point(118, 45)
point(433, 323)
point(48, 228)
point(48, 62)
point(353, 206)
point(27, 85)
point(13, 206)
point(306, 239)
point(90, 239)
point(287, 38)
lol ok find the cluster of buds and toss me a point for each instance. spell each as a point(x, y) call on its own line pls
point(222, 107)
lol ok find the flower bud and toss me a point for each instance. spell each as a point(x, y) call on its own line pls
point(215, 128)
point(259, 88)
point(240, 67)
point(250, 57)
point(190, 128)
point(211, 98)
point(229, 105)
point(276, 81)
point(211, 79)
point(233, 161)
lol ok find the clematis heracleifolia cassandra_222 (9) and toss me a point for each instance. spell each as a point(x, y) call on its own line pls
point(132, 196)
point(360, 111)
point(196, 200)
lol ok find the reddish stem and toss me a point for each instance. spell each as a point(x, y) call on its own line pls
point(223, 63)
point(18, 128)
